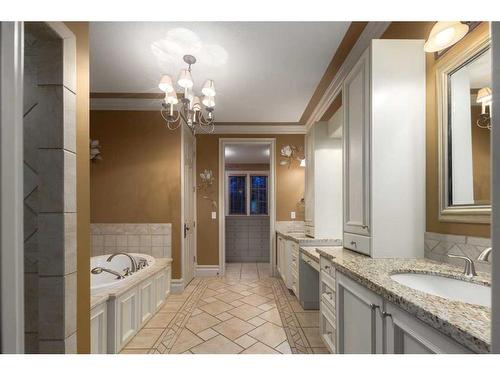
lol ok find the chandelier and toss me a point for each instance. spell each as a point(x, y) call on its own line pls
point(188, 108)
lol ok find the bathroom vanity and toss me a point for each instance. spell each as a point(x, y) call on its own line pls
point(363, 310)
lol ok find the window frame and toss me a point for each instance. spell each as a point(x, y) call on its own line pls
point(247, 175)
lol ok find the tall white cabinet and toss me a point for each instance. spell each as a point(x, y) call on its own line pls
point(383, 99)
point(323, 190)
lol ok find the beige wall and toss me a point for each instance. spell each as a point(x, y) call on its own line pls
point(421, 30)
point(289, 190)
point(138, 180)
point(81, 31)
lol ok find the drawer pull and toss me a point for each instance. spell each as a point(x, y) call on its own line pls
point(353, 243)
point(327, 267)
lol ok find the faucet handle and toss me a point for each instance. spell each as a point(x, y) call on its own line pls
point(469, 269)
point(127, 271)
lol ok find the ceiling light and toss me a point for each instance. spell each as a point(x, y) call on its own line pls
point(166, 83)
point(444, 35)
point(189, 109)
point(208, 88)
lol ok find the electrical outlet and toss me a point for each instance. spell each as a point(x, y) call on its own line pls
point(292, 214)
point(214, 215)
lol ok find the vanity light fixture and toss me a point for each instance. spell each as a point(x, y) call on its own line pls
point(444, 35)
point(188, 108)
point(484, 96)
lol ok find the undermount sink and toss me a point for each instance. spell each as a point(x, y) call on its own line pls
point(446, 287)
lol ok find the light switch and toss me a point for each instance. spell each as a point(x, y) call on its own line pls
point(214, 215)
point(292, 214)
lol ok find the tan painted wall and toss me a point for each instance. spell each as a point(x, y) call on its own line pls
point(81, 31)
point(421, 30)
point(138, 180)
point(289, 190)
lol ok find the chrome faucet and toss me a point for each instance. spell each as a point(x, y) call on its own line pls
point(98, 270)
point(133, 262)
point(485, 255)
point(141, 263)
point(469, 269)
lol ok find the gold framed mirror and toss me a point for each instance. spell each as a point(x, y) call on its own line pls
point(463, 79)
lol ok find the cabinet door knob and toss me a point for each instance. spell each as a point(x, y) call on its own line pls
point(364, 226)
point(353, 243)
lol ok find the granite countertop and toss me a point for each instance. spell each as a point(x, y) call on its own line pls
point(129, 282)
point(467, 324)
point(311, 252)
point(302, 239)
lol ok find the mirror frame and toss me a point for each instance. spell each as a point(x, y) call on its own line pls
point(446, 65)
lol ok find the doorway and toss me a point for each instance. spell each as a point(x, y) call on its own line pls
point(247, 206)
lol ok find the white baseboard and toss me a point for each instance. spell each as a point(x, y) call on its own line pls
point(207, 270)
point(177, 286)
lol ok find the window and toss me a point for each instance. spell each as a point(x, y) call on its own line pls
point(247, 193)
point(237, 195)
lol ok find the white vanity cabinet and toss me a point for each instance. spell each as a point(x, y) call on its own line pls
point(98, 329)
point(280, 252)
point(366, 323)
point(359, 324)
point(383, 100)
point(323, 188)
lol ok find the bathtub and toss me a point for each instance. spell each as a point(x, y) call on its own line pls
point(121, 307)
point(104, 280)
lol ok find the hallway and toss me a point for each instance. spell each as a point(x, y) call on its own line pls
point(247, 312)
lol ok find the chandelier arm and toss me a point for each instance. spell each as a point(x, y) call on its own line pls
point(169, 122)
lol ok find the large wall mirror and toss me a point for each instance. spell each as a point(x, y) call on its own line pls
point(465, 100)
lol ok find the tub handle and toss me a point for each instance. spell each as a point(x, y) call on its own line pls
point(127, 271)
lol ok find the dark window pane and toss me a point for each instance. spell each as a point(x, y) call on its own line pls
point(258, 195)
point(237, 195)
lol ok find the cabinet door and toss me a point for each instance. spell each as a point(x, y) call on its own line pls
point(98, 329)
point(359, 322)
point(405, 334)
point(279, 254)
point(127, 319)
point(356, 102)
point(160, 280)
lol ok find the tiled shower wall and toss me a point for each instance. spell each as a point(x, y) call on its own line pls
point(247, 239)
point(152, 238)
point(49, 189)
point(438, 246)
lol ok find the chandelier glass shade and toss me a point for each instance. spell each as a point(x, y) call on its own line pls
point(187, 108)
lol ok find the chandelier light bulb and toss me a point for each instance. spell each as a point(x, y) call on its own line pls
point(166, 83)
point(185, 80)
point(208, 88)
point(171, 98)
point(208, 101)
point(196, 104)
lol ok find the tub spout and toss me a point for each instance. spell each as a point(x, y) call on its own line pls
point(133, 262)
point(98, 270)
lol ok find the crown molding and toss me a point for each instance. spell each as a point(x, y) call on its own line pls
point(373, 30)
point(259, 129)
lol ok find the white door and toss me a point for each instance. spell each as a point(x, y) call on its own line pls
point(189, 232)
point(356, 102)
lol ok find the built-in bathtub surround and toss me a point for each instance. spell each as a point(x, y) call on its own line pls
point(50, 188)
point(153, 239)
point(438, 246)
point(298, 226)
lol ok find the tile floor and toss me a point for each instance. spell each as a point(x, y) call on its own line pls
point(247, 311)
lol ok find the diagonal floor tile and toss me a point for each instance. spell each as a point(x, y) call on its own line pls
point(259, 348)
point(201, 322)
point(217, 345)
point(272, 316)
point(233, 328)
point(229, 297)
point(269, 334)
point(216, 308)
point(245, 311)
point(254, 300)
point(144, 339)
point(185, 341)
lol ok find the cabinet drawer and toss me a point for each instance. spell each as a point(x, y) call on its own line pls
point(328, 296)
point(327, 328)
point(361, 244)
point(326, 266)
point(310, 261)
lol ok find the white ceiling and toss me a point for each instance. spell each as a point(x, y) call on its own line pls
point(247, 154)
point(263, 71)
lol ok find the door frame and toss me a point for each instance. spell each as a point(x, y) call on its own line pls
point(184, 261)
point(11, 193)
point(222, 199)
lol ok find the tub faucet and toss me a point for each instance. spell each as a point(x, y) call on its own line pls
point(133, 262)
point(485, 255)
point(98, 270)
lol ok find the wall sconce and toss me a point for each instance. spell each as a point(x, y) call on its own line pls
point(484, 96)
point(289, 153)
point(444, 35)
point(207, 181)
point(95, 150)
